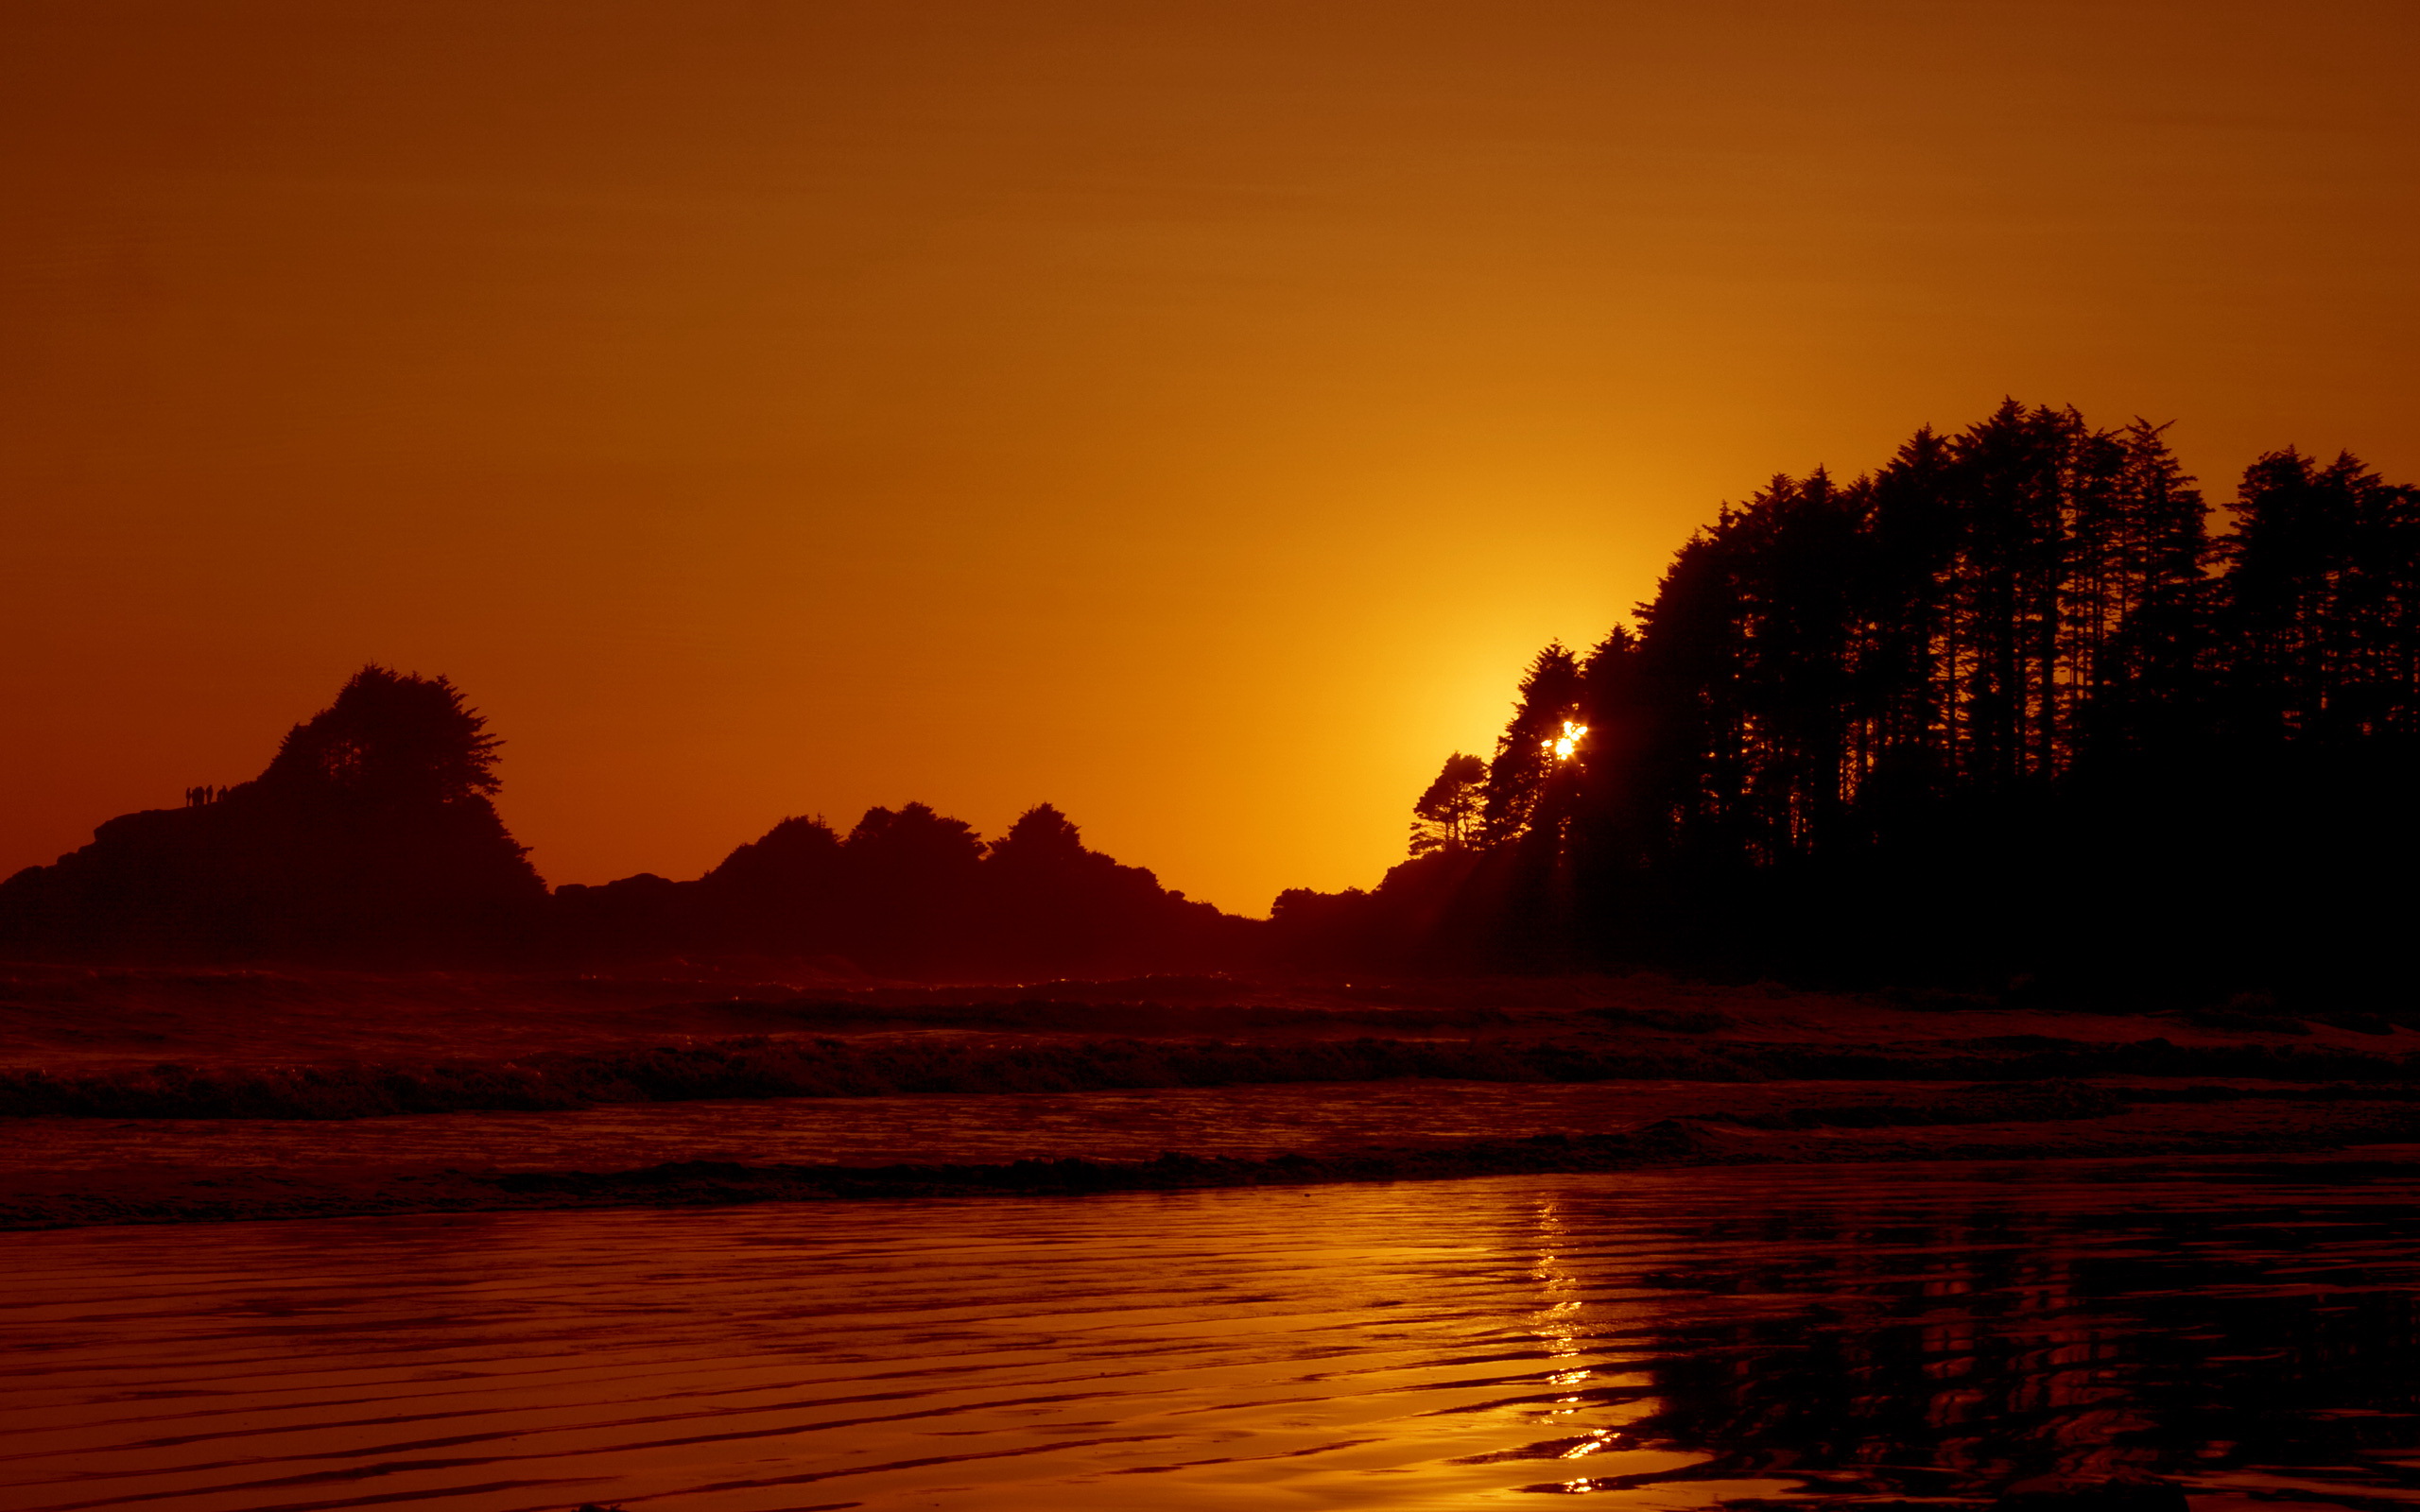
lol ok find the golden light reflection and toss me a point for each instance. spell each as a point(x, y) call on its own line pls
point(1562, 1334)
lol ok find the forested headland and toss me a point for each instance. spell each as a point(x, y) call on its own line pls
point(2007, 709)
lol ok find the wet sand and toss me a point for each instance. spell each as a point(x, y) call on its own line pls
point(1927, 1265)
point(1919, 1334)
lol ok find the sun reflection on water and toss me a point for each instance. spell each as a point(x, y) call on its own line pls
point(1688, 1341)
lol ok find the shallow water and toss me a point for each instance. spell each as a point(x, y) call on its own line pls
point(1661, 1339)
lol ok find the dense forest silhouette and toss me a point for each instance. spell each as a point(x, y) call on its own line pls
point(2005, 709)
point(371, 838)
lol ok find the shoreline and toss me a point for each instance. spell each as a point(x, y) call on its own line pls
point(773, 1067)
point(169, 1097)
point(184, 1196)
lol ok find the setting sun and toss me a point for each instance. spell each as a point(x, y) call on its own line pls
point(489, 493)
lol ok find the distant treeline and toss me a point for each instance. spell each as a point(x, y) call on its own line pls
point(371, 838)
point(2004, 709)
point(909, 890)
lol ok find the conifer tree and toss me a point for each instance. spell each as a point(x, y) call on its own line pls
point(1520, 776)
point(1446, 815)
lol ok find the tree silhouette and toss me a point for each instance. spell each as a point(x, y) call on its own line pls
point(2323, 604)
point(1446, 817)
point(1042, 842)
point(390, 738)
point(1519, 778)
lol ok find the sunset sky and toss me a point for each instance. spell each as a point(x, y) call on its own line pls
point(1191, 414)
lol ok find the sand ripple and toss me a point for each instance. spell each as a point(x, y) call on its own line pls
point(1668, 1338)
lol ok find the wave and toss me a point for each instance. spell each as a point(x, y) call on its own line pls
point(764, 1066)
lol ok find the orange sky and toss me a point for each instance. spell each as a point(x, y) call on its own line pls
point(1193, 414)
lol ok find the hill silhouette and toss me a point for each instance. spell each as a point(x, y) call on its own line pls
point(371, 838)
point(370, 834)
point(909, 891)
